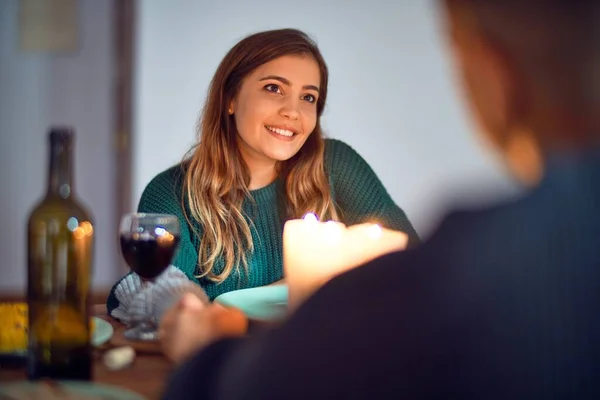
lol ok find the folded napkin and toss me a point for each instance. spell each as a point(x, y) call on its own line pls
point(139, 299)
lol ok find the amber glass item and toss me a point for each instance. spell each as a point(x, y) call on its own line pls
point(60, 246)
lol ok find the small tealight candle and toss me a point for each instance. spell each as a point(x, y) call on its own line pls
point(311, 217)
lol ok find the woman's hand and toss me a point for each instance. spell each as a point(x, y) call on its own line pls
point(190, 325)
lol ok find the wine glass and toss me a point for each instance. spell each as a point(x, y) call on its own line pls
point(148, 243)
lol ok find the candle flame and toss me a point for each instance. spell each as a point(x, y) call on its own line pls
point(374, 231)
point(311, 217)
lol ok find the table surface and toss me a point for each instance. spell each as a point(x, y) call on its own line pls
point(146, 376)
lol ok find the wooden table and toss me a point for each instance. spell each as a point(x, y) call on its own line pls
point(146, 376)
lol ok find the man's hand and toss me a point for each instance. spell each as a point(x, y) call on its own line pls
point(190, 325)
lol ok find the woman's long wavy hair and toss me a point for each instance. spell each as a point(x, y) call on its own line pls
point(217, 178)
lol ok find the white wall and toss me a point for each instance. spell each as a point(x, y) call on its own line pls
point(36, 91)
point(392, 94)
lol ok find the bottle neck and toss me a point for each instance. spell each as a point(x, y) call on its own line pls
point(60, 180)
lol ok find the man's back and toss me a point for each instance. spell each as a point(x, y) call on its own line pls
point(501, 302)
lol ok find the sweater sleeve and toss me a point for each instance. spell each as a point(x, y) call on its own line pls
point(359, 194)
point(163, 196)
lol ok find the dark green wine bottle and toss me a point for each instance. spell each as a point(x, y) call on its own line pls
point(60, 246)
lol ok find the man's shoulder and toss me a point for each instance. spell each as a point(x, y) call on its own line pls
point(465, 237)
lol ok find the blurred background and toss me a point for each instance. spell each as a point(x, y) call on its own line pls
point(131, 77)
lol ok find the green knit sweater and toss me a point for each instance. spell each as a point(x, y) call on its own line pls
point(357, 192)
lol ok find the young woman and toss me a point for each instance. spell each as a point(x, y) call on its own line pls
point(261, 159)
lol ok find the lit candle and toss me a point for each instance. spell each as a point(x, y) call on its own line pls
point(314, 252)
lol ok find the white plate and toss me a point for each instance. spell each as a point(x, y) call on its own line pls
point(102, 333)
point(264, 303)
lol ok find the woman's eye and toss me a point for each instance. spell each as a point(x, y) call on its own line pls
point(310, 98)
point(273, 88)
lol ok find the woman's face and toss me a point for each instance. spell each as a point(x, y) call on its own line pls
point(276, 109)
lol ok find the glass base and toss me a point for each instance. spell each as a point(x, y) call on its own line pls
point(144, 331)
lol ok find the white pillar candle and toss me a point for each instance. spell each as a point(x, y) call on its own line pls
point(314, 252)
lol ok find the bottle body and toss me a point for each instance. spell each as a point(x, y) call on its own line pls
point(60, 247)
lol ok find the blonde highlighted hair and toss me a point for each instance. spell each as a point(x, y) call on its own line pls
point(216, 176)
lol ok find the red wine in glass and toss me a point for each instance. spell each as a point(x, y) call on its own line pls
point(148, 256)
point(148, 244)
